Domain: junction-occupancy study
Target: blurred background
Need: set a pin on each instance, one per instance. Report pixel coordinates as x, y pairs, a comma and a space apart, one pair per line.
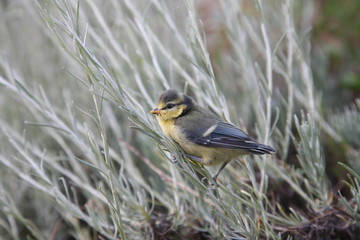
81, 158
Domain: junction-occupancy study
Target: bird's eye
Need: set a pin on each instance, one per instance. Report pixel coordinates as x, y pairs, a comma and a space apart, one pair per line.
169, 105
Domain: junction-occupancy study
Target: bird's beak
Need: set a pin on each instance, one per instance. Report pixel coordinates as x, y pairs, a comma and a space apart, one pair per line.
155, 111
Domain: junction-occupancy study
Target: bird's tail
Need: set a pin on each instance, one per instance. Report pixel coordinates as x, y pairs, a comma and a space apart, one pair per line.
262, 149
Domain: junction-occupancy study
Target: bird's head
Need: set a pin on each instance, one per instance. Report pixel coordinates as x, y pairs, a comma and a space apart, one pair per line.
172, 104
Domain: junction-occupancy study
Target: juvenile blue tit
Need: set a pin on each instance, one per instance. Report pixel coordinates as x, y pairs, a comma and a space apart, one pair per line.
202, 135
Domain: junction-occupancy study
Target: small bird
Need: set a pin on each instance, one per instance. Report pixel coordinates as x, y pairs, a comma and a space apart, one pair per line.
202, 135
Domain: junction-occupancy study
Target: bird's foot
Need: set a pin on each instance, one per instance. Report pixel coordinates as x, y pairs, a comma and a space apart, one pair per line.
174, 159
213, 185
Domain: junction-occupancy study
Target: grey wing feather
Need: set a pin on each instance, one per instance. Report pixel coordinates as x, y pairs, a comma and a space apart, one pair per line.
226, 135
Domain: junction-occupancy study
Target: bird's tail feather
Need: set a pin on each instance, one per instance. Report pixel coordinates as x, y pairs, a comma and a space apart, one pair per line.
262, 149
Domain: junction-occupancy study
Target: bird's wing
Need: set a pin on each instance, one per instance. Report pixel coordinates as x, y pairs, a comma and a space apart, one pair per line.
225, 135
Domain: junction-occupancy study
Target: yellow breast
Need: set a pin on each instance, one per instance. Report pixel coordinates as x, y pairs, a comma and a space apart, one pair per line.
167, 126
171, 130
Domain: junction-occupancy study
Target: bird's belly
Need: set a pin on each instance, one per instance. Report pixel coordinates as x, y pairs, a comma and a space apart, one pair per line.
209, 155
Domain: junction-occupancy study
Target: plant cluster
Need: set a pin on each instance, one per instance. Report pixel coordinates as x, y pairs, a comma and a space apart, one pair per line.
81, 157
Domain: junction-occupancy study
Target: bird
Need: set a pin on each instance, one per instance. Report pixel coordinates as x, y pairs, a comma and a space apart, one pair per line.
202, 135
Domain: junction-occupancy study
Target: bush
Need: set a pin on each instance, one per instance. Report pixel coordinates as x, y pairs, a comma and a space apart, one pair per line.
83, 159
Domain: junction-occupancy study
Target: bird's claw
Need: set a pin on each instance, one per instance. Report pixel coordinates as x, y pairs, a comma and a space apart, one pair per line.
212, 184
174, 159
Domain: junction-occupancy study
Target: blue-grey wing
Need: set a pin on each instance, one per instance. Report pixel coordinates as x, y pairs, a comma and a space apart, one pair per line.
226, 135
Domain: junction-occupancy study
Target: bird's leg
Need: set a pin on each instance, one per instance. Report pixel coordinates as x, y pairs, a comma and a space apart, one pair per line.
194, 158
215, 185
198, 160
217, 174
